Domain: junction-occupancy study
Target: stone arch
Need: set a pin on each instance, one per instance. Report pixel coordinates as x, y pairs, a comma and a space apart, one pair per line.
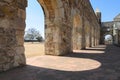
49, 13
88, 33
104, 32
48, 8
12, 26
56, 16
104, 36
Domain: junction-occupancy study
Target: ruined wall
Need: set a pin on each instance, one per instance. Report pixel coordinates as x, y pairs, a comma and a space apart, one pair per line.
68, 25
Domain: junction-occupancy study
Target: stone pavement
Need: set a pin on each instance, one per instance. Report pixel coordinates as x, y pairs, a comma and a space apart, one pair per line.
95, 63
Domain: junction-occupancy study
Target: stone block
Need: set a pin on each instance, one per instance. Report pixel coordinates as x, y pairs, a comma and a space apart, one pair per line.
20, 40
8, 1
2, 14
3, 59
20, 50
4, 23
6, 67
19, 60
21, 13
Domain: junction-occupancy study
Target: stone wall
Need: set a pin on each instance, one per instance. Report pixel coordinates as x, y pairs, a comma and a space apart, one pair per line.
12, 25
69, 24
87, 31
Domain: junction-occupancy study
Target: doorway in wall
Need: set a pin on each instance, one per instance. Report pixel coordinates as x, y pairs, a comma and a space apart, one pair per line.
108, 39
34, 31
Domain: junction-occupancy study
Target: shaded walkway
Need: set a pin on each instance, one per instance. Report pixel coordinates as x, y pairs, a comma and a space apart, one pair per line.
89, 64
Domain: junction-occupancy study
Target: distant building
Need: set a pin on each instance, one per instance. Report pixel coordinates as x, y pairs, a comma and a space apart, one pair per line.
116, 29
112, 28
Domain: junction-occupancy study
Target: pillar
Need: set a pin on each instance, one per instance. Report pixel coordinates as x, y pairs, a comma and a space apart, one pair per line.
12, 25
83, 45
90, 37
87, 33
93, 36
77, 32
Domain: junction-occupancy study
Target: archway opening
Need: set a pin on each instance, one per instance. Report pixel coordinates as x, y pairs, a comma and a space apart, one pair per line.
34, 32
108, 39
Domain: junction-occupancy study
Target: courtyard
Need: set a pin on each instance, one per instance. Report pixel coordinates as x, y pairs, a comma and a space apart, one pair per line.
34, 49
96, 63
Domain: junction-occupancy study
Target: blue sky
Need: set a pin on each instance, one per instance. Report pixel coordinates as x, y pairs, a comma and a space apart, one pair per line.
35, 16
108, 8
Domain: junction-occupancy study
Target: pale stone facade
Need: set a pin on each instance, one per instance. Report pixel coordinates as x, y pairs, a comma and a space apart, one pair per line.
116, 30
69, 24
106, 29
111, 28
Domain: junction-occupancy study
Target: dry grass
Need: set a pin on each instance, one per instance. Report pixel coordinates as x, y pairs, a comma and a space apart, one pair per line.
33, 49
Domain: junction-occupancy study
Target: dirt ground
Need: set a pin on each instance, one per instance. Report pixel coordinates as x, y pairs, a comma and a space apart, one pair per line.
33, 49
96, 63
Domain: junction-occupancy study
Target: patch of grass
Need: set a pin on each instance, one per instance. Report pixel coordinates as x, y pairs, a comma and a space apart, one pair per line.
34, 49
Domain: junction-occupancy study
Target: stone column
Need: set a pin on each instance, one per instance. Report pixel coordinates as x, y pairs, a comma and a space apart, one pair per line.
98, 35
93, 36
58, 31
12, 25
87, 32
118, 37
76, 38
57, 38
83, 44
101, 36
76, 34
87, 41
51, 38
90, 37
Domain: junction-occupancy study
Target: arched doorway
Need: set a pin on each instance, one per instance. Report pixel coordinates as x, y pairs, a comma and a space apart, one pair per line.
57, 31
108, 39
34, 31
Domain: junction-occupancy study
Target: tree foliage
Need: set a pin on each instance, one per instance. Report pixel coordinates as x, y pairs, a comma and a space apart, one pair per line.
32, 34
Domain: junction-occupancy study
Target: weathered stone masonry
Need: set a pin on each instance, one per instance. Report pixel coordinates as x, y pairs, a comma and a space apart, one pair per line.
12, 25
69, 24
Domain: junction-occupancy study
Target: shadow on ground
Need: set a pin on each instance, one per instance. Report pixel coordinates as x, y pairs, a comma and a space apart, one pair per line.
109, 69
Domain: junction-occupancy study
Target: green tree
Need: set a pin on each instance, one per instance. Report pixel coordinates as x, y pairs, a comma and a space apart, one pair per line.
39, 38
33, 34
